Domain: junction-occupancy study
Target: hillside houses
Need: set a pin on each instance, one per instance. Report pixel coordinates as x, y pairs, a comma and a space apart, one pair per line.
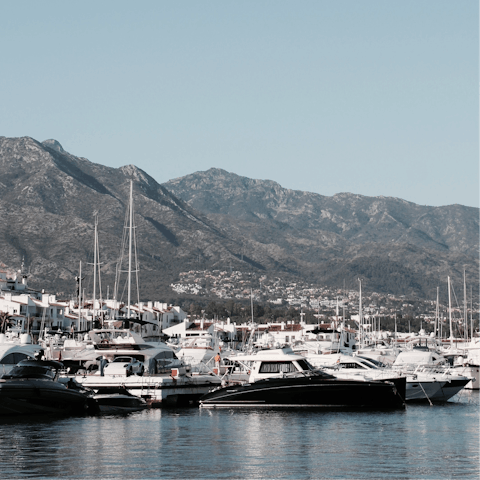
28, 310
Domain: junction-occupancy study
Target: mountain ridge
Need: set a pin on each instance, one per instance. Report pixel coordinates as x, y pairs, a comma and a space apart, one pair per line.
218, 220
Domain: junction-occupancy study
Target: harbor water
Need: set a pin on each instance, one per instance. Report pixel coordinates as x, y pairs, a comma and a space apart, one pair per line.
420, 442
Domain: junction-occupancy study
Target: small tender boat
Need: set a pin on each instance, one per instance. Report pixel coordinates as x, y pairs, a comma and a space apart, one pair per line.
279, 378
117, 400
32, 387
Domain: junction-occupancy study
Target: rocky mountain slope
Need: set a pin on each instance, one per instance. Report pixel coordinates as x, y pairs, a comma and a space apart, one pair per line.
395, 245
47, 202
218, 220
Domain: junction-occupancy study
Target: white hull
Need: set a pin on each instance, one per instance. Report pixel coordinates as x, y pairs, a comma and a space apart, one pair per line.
471, 371
157, 390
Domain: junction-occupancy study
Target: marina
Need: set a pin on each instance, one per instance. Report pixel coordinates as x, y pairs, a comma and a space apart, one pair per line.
239, 240
146, 391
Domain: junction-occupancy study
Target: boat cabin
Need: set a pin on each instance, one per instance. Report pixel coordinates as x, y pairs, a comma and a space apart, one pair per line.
270, 363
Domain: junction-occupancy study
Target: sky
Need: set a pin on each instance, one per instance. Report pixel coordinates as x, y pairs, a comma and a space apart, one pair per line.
370, 97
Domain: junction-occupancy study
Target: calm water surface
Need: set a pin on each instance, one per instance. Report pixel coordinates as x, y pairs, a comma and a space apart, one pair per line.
421, 442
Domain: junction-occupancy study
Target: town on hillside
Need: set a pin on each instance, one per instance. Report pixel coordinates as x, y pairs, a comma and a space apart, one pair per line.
226, 293
235, 296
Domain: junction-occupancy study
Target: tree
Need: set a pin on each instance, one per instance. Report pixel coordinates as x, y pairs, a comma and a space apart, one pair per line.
5, 321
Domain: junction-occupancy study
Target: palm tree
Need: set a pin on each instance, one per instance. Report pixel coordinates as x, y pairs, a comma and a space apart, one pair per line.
5, 320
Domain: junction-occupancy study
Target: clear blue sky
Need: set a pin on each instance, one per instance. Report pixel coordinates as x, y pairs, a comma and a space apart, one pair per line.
372, 97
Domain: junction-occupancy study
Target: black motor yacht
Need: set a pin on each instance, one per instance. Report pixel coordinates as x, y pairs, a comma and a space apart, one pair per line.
32, 387
279, 378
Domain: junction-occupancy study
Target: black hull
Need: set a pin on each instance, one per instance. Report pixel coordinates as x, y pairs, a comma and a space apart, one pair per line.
308, 392
115, 401
25, 397
118, 404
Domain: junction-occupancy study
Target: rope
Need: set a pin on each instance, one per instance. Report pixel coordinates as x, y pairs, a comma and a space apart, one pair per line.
421, 386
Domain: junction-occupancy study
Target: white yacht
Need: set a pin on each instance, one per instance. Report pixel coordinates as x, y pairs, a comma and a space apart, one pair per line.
434, 384
178, 387
112, 343
196, 350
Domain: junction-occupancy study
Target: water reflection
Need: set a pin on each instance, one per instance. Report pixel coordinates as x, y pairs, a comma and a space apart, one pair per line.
420, 442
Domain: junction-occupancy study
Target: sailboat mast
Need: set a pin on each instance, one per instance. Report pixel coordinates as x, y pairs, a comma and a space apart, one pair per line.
471, 314
80, 298
465, 320
360, 314
450, 314
336, 315
251, 303
95, 269
130, 249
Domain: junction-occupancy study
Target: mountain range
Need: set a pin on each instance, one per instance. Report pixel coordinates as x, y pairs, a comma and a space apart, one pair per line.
216, 220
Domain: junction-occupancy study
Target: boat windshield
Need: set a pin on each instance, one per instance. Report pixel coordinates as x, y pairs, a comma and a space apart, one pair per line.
29, 371
304, 365
371, 361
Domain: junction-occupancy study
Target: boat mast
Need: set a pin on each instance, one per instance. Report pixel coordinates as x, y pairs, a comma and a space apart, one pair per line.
450, 314
360, 314
465, 320
80, 298
130, 249
251, 303
437, 318
395, 330
471, 314
94, 269
336, 315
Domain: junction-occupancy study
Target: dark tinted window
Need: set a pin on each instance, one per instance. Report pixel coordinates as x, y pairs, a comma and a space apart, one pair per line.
277, 367
304, 365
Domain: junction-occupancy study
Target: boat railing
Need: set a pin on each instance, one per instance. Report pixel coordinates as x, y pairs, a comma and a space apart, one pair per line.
442, 369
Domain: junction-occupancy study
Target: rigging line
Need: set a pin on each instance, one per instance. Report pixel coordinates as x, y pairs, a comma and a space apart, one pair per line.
457, 326
454, 294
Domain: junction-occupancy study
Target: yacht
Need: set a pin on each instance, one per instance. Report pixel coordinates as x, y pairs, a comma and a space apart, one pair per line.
280, 378
111, 400
112, 343
178, 387
422, 384
422, 365
196, 350
32, 387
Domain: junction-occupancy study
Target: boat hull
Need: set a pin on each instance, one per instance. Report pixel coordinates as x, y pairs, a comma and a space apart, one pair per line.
308, 392
449, 389
118, 403
31, 396
472, 371
156, 390
434, 390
